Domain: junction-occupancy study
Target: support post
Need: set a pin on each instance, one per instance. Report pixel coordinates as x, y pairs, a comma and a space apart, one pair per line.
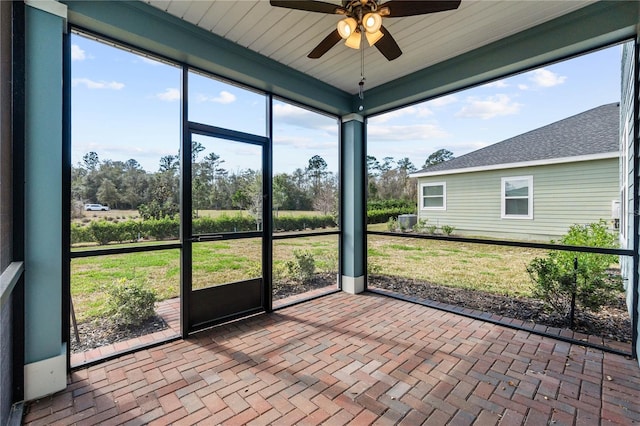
352, 206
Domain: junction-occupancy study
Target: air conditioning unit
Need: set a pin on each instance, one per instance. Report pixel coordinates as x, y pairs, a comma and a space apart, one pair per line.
615, 213
615, 209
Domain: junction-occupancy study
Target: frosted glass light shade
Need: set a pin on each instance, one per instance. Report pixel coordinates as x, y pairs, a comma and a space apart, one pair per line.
354, 40
346, 27
372, 38
372, 22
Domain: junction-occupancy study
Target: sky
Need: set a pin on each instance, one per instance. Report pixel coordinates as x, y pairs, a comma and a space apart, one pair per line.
128, 106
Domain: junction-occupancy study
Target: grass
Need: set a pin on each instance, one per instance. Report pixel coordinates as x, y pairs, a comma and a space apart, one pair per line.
496, 269
214, 263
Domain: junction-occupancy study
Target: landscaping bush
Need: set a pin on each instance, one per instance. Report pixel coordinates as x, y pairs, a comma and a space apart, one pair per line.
161, 229
300, 223
564, 277
104, 232
383, 215
448, 229
303, 266
81, 234
130, 303
392, 204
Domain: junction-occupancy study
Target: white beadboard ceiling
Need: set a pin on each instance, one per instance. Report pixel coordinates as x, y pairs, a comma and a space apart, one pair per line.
287, 36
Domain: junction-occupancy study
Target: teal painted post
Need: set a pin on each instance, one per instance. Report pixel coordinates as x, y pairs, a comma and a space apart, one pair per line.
43, 185
353, 203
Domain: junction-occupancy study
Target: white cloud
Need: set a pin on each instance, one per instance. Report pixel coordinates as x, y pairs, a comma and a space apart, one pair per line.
492, 106
443, 100
77, 54
151, 61
499, 84
91, 84
545, 78
169, 95
523, 87
283, 142
303, 118
416, 110
223, 97
417, 132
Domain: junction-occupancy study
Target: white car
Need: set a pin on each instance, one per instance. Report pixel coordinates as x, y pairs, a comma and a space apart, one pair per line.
95, 207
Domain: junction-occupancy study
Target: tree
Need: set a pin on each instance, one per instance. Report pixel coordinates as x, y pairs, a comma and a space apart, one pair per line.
108, 193
169, 163
317, 171
91, 161
196, 149
440, 156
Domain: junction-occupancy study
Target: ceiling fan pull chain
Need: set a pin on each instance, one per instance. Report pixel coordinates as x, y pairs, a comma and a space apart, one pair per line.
362, 79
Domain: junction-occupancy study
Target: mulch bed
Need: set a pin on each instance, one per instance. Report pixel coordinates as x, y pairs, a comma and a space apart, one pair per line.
102, 331
612, 322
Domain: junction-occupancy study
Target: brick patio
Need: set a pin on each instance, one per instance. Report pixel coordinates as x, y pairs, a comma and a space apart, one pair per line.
345, 359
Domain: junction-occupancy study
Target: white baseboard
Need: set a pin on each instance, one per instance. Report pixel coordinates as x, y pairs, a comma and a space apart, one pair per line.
353, 285
45, 377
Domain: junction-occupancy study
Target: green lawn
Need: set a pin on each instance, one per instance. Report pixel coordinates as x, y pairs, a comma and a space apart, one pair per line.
489, 268
213, 263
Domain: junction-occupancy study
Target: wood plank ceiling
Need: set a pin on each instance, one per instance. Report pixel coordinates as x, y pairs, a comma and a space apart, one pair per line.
287, 36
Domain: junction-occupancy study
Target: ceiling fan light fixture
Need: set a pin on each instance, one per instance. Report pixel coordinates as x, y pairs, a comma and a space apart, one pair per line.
372, 38
354, 40
347, 27
372, 22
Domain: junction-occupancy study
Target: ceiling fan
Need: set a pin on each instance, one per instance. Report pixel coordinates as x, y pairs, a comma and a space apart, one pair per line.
365, 17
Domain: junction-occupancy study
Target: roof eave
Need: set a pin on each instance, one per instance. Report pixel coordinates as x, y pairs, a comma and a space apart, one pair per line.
533, 163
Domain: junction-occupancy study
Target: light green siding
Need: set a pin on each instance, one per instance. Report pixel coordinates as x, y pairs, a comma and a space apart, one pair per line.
563, 194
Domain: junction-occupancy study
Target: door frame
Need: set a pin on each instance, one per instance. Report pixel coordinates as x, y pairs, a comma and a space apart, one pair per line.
188, 309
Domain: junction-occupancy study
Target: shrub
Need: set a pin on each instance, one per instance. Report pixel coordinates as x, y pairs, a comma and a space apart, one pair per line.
161, 229
564, 276
300, 223
431, 229
104, 232
303, 266
392, 204
447, 229
420, 226
392, 224
80, 234
383, 215
130, 303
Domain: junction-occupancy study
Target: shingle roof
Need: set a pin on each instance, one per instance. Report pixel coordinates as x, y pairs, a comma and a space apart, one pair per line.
594, 131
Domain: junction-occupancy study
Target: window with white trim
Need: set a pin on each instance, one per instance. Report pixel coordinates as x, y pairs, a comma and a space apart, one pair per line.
517, 197
433, 196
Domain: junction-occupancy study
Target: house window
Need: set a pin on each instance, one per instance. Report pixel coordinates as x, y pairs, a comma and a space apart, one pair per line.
517, 197
434, 196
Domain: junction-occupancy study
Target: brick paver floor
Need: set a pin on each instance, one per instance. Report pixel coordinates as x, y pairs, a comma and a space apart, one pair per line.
353, 359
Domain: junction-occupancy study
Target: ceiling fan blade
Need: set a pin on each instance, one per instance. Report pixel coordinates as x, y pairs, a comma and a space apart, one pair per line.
399, 8
388, 46
308, 6
326, 44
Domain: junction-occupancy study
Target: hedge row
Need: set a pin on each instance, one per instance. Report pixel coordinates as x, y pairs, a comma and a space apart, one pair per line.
383, 215
391, 204
104, 232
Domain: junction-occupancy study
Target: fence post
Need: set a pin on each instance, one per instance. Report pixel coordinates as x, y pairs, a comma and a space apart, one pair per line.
573, 291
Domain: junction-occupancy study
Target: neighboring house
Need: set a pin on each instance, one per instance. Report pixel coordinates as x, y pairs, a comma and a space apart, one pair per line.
533, 186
